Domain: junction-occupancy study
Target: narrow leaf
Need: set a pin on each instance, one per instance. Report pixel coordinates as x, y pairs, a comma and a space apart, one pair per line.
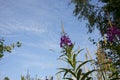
82, 64
68, 70
68, 78
86, 74
79, 74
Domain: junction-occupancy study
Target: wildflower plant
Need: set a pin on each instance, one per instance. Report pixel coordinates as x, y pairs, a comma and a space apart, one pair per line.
111, 47
65, 41
74, 71
113, 34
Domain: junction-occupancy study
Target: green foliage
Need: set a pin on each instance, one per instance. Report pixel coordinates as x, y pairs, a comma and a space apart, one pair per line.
96, 14
23, 78
28, 77
6, 78
106, 68
102, 15
75, 68
7, 48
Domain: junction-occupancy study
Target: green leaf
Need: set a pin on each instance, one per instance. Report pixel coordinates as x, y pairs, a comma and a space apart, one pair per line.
70, 62
8, 48
115, 79
79, 74
68, 71
74, 61
65, 73
82, 64
89, 78
62, 55
114, 74
59, 72
63, 59
78, 52
68, 78
85, 75
18, 44
1, 55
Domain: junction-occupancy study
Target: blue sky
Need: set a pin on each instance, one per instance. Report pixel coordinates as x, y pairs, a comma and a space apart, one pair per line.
37, 25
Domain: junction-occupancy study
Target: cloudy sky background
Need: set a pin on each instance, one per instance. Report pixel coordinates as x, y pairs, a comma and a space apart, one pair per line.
37, 25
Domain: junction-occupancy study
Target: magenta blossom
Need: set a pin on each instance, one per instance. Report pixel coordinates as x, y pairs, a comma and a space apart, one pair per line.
65, 41
112, 33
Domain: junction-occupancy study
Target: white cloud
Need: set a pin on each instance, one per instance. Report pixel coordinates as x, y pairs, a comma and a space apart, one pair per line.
51, 45
13, 27
36, 64
29, 56
31, 60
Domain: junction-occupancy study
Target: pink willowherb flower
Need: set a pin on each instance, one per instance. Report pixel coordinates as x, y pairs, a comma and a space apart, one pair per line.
112, 33
65, 41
